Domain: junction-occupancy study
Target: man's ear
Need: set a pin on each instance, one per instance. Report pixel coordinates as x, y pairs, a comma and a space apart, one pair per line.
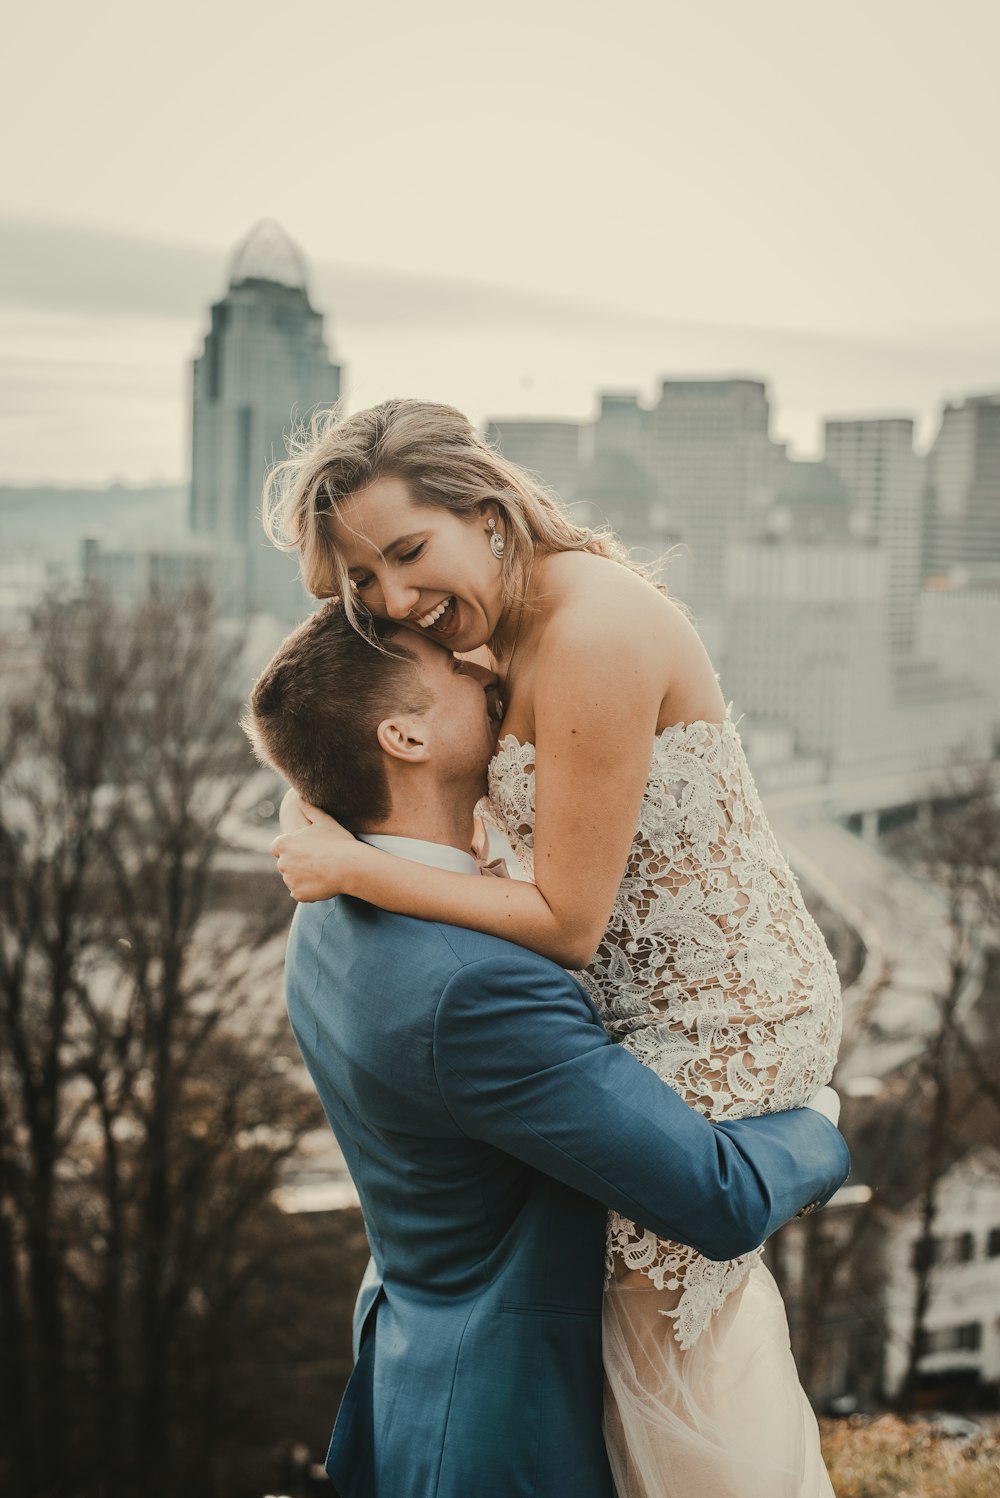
403, 739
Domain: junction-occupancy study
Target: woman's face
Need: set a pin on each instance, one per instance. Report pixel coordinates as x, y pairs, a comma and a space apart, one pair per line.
420, 564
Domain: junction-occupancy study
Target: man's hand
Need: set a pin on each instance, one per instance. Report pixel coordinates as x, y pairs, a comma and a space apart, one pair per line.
313, 861
827, 1102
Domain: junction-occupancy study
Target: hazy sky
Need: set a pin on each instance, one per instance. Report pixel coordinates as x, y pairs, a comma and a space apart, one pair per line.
507, 207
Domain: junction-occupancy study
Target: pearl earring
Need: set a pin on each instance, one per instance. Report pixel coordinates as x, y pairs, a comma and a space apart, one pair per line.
497, 543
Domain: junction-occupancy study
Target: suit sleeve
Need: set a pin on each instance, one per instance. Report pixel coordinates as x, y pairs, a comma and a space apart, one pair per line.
524, 1064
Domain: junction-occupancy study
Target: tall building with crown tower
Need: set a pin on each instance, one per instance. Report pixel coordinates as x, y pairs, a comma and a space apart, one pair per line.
264, 366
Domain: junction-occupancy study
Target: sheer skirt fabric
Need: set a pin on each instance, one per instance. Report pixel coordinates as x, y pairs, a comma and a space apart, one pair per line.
725, 1418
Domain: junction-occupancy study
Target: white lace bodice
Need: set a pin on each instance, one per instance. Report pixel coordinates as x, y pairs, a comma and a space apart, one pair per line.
712, 972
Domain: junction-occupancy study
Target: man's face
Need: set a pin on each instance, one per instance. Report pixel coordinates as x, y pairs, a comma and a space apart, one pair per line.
462, 721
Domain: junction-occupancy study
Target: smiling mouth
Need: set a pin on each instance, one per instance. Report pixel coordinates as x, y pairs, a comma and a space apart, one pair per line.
440, 619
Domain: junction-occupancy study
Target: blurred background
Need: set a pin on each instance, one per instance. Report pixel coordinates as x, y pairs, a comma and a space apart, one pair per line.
726, 279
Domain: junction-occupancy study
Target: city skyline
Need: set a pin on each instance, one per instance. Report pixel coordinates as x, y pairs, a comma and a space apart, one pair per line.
507, 217
107, 327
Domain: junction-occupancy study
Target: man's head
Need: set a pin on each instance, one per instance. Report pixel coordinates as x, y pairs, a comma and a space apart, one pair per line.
366, 730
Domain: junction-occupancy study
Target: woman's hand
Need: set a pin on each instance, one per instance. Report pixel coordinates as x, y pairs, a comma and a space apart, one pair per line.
291, 817
314, 862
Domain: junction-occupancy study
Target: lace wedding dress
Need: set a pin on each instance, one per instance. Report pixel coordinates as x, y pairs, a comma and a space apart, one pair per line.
713, 973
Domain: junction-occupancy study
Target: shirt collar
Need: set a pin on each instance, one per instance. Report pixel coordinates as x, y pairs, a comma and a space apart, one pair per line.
438, 855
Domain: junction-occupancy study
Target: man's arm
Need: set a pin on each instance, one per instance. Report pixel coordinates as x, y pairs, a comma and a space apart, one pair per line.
523, 1063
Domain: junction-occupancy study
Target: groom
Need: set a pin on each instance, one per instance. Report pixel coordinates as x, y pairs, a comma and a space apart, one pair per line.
486, 1118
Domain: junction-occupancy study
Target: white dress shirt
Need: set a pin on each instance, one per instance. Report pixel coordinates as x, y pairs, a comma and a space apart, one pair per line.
438, 855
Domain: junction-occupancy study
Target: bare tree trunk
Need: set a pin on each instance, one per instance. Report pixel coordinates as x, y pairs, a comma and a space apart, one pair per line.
936, 1162
15, 1408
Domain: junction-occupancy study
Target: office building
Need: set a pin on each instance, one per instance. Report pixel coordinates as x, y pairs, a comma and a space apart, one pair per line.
265, 365
963, 490
960, 1346
709, 454
958, 626
548, 449
883, 475
807, 647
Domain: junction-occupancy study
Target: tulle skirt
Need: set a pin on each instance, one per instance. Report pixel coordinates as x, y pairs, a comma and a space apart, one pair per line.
725, 1418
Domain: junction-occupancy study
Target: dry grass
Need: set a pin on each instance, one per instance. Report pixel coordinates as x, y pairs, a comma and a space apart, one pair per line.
891, 1458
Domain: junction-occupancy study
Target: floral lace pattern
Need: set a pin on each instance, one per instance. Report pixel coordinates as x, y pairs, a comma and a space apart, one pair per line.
711, 972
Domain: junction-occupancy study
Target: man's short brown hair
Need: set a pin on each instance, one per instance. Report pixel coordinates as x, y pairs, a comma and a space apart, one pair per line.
315, 709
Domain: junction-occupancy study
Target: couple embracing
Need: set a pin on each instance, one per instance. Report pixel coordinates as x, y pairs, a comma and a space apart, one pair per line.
566, 1177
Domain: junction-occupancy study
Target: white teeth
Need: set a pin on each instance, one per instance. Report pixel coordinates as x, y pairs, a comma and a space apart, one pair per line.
434, 615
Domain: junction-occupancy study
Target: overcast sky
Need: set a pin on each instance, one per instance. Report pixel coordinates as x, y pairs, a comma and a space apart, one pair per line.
507, 207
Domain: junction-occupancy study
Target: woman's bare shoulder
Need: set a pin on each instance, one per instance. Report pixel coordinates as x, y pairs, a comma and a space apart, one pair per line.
583, 591
604, 617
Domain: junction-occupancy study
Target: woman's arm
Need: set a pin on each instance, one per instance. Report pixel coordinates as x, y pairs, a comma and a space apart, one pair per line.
333, 862
598, 688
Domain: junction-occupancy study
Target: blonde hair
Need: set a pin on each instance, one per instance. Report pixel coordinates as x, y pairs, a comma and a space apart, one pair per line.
443, 460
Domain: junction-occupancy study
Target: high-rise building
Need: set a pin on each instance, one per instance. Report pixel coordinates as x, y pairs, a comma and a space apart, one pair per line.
804, 640
884, 478
956, 620
621, 427
265, 365
963, 490
709, 453
807, 647
617, 481
810, 501
548, 449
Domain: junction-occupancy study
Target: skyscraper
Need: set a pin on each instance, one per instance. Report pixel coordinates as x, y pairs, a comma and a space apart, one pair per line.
548, 449
804, 642
617, 480
884, 478
709, 453
620, 429
807, 648
956, 619
963, 490
265, 365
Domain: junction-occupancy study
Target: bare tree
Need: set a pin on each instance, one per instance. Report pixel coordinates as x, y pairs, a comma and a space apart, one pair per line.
958, 850
928, 1112
830, 1267
145, 1106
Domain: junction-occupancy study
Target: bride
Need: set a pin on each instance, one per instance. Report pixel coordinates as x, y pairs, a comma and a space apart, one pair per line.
621, 784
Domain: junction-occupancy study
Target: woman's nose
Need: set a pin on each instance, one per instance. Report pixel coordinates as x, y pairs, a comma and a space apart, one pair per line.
399, 599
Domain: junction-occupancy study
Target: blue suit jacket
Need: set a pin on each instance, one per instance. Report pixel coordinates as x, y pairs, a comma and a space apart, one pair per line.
488, 1121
